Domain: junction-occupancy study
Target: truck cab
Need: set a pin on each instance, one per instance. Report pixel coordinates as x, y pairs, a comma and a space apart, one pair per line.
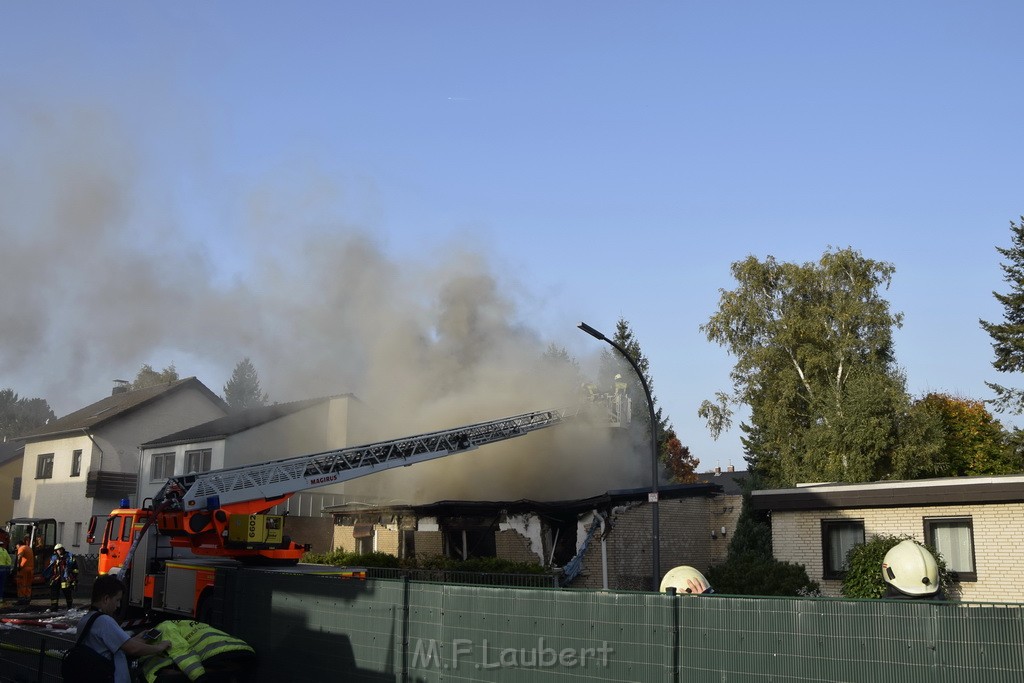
42, 534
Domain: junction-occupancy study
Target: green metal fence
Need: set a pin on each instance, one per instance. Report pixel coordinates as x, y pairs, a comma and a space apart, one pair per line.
309, 628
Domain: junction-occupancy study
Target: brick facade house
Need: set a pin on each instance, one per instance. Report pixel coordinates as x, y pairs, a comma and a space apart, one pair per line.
608, 536
975, 522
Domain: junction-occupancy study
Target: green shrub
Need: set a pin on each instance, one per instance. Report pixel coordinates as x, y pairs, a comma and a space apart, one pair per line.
750, 568
341, 558
490, 565
752, 573
863, 577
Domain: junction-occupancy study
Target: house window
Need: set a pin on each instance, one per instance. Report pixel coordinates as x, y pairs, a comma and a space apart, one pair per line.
364, 536
16, 489
44, 466
462, 544
837, 537
163, 466
78, 535
408, 544
60, 532
198, 461
76, 463
953, 537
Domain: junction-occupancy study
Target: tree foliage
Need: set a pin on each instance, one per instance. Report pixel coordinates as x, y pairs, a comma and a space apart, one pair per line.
751, 569
681, 465
1008, 336
612, 363
243, 389
148, 377
973, 441
814, 362
863, 578
21, 415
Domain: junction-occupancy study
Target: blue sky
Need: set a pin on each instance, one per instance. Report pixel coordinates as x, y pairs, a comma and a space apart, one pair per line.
596, 159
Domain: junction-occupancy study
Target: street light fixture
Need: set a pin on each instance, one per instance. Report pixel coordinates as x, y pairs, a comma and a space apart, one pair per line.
653, 496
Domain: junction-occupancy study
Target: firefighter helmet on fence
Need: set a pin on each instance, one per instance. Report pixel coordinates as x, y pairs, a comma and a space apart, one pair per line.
911, 569
685, 579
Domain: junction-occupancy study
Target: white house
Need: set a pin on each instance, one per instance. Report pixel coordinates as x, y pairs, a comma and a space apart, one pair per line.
82, 464
258, 435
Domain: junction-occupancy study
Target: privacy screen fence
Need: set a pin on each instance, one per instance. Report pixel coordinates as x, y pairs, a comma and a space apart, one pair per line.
309, 628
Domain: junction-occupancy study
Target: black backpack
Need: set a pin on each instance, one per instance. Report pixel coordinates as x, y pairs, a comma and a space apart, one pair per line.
82, 664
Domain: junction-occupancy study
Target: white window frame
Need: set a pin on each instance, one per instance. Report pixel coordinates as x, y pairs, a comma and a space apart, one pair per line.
203, 455
953, 551
161, 466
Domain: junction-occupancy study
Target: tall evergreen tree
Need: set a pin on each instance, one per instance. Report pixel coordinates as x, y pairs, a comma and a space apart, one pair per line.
1008, 336
243, 389
616, 369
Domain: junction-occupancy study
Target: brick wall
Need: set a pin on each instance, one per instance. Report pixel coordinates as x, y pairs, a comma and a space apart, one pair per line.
724, 512
343, 538
428, 543
387, 539
316, 531
999, 550
511, 545
684, 526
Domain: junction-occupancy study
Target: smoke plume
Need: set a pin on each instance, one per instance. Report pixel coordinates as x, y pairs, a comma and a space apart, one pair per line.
102, 272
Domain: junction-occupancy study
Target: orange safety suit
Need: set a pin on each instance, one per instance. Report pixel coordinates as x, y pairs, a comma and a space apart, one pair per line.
26, 568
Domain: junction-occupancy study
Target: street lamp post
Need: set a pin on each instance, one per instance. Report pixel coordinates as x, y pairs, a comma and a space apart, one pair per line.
653, 498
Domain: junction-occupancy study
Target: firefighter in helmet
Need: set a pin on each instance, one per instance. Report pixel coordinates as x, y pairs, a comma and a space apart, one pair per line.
910, 572
686, 579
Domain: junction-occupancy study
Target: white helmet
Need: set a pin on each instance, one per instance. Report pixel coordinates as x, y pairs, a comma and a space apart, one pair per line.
685, 579
59, 546
911, 569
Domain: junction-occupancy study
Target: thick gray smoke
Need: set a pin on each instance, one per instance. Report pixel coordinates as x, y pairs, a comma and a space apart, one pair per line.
101, 274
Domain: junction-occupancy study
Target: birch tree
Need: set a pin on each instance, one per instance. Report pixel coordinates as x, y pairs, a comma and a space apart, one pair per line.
815, 364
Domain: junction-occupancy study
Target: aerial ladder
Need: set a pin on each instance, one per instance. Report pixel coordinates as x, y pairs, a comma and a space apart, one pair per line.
221, 515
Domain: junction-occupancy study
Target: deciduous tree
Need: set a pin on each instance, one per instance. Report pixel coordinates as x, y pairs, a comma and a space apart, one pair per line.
681, 465
815, 365
148, 377
21, 415
974, 442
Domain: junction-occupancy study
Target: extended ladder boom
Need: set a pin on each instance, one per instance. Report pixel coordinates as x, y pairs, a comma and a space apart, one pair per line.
268, 480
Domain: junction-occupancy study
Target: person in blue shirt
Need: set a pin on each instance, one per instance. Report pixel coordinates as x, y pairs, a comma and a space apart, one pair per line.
107, 638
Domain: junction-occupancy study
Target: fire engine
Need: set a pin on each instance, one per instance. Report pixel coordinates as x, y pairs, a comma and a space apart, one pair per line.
174, 551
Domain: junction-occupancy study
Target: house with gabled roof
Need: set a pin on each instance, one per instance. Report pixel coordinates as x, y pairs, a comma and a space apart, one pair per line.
83, 463
258, 435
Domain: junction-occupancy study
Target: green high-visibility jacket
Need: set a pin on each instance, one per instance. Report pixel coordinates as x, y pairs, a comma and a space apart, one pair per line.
192, 643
